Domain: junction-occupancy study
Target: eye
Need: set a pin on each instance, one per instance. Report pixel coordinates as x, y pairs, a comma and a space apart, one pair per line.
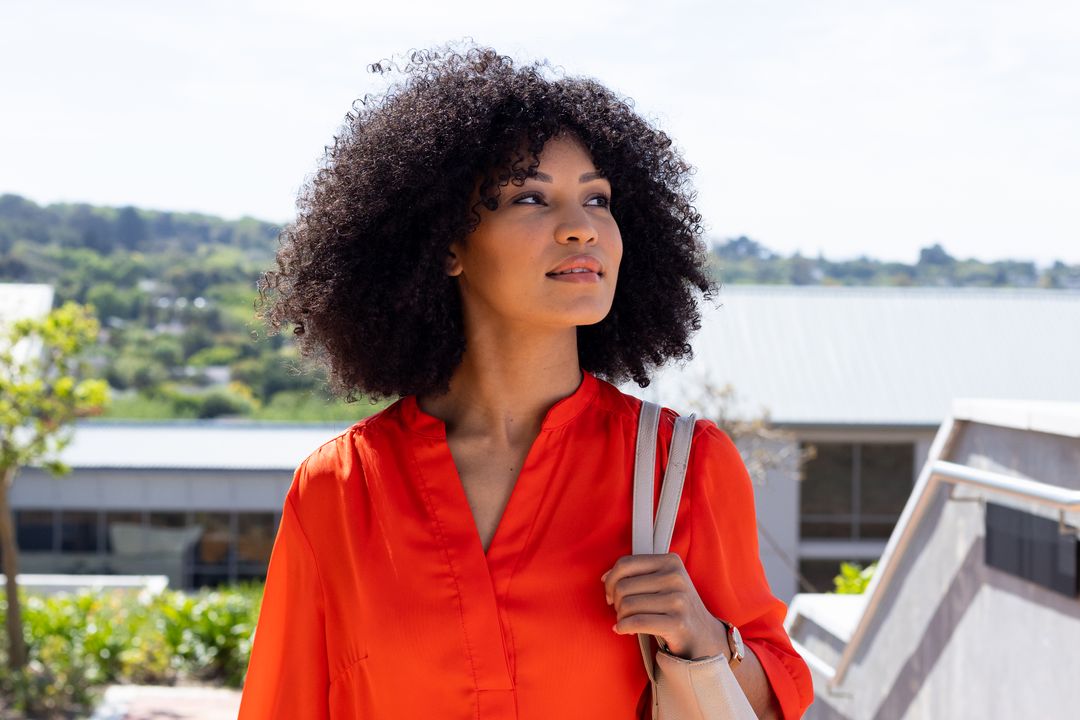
605, 200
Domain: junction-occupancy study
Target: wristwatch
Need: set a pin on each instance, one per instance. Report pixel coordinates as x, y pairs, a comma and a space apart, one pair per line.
736, 650
734, 643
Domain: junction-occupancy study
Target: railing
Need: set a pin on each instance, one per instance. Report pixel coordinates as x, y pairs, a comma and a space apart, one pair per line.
933, 474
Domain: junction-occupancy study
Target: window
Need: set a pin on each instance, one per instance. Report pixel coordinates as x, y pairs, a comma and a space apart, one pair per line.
79, 531
34, 530
212, 551
254, 542
118, 525
855, 491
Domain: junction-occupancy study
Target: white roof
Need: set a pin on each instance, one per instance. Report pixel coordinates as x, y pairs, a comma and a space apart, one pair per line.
885, 356
812, 355
195, 444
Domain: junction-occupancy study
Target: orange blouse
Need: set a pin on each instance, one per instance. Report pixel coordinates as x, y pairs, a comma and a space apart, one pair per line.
380, 601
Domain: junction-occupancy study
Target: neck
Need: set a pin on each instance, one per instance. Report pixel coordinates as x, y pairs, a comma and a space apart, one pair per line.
505, 385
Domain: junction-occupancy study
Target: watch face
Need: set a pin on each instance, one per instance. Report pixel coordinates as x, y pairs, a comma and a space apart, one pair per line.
736, 637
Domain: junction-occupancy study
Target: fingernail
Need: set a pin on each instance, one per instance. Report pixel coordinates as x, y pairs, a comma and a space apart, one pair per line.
608, 599
614, 626
604, 576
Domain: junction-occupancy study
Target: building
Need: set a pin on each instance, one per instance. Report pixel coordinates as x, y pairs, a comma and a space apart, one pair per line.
978, 587
866, 375
198, 500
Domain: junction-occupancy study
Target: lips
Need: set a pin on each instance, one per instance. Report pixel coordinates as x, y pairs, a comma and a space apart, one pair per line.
578, 264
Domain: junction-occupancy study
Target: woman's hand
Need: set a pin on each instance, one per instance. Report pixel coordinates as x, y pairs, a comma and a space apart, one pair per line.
653, 594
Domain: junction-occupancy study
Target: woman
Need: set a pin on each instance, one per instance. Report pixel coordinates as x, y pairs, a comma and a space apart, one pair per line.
496, 248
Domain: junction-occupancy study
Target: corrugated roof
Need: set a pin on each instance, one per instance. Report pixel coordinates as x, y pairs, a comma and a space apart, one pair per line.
195, 444
878, 355
812, 355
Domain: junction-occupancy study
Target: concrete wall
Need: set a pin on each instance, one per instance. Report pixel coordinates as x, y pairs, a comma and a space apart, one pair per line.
776, 502
954, 638
128, 489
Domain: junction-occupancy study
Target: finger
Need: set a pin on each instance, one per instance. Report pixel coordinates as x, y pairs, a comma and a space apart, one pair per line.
629, 565
661, 581
672, 604
651, 623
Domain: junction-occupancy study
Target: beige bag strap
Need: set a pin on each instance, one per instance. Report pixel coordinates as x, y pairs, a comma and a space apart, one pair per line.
649, 537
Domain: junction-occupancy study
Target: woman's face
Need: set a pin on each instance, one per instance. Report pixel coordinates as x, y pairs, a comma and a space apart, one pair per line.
508, 267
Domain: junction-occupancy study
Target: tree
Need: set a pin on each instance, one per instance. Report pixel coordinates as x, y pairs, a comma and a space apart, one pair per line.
935, 255
131, 230
42, 391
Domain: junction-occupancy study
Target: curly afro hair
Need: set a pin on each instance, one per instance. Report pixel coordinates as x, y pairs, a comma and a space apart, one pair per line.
361, 272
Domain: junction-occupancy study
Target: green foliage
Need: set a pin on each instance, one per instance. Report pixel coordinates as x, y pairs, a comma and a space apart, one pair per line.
43, 391
304, 406
155, 278
80, 642
853, 578
216, 355
742, 260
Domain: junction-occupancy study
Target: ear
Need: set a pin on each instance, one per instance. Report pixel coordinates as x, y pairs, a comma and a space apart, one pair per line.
453, 263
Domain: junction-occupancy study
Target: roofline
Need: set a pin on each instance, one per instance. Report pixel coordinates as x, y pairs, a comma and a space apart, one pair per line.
856, 427
217, 423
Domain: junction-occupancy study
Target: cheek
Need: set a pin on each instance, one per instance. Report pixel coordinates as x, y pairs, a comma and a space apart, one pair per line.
615, 252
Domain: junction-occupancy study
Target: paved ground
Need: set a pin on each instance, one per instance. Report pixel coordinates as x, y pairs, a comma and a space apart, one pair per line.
154, 702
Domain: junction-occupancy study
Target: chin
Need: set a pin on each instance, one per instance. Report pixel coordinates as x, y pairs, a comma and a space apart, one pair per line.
588, 317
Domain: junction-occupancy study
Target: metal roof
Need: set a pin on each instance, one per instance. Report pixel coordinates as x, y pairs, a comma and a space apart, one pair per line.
879, 356
817, 356
195, 444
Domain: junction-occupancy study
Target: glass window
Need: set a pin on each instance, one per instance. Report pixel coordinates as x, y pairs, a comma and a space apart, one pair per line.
34, 530
79, 531
855, 490
826, 485
256, 538
886, 473
823, 526
120, 535
168, 519
876, 529
209, 578
212, 551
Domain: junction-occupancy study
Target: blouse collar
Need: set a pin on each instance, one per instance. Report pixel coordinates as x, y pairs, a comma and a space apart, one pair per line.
559, 414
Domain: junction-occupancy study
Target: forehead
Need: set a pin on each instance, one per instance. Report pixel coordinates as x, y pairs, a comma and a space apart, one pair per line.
562, 148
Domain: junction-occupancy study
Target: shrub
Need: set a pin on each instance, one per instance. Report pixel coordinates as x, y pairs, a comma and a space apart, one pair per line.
77, 643
853, 578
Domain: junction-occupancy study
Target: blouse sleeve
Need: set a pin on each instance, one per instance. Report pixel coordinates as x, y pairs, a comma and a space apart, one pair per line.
723, 563
287, 674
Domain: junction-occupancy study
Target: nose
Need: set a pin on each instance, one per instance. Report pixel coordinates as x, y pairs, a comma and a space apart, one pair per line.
576, 228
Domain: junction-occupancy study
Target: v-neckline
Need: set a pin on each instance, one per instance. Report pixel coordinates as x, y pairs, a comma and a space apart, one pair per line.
482, 578
560, 413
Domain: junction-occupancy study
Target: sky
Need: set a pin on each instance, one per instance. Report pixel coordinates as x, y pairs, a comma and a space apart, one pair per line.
840, 127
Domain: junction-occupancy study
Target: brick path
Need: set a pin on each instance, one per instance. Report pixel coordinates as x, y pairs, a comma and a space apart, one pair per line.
155, 702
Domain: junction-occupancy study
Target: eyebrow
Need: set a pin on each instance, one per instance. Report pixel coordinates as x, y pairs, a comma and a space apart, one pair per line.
544, 177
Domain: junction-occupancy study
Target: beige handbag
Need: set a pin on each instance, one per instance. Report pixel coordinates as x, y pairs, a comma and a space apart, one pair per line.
703, 689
